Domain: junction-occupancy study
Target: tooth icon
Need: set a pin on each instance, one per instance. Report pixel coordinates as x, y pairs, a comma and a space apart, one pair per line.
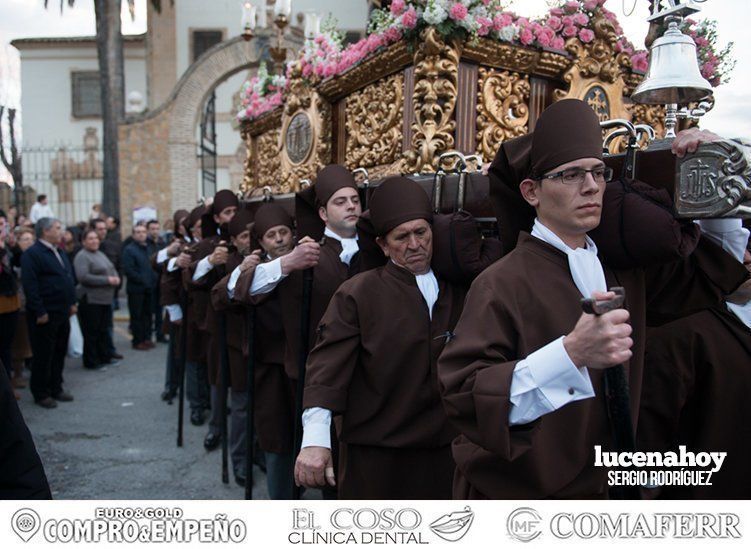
25, 523
454, 526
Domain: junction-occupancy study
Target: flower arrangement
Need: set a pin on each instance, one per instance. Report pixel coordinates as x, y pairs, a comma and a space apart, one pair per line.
325, 56
715, 65
261, 94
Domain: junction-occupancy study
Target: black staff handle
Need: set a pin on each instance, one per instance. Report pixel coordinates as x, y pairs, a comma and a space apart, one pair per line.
307, 291
223, 382
250, 414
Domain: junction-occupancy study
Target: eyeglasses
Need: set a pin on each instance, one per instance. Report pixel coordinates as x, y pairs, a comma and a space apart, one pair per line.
575, 176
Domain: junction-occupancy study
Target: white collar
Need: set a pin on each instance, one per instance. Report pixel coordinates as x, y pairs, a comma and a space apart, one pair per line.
349, 245
586, 269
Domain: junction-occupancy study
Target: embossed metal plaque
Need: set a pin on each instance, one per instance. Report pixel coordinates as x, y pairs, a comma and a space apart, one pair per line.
715, 181
299, 138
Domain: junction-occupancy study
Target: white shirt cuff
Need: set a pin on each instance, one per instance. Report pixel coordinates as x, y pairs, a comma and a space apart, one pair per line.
161, 256
172, 265
266, 277
544, 382
316, 423
174, 312
727, 232
202, 269
232, 282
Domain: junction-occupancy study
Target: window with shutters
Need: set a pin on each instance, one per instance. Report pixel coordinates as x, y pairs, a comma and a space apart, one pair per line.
204, 40
86, 94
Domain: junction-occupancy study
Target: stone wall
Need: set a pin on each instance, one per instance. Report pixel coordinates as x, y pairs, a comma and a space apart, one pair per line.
145, 178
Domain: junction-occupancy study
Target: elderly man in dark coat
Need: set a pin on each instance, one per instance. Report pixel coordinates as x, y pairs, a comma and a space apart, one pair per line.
374, 364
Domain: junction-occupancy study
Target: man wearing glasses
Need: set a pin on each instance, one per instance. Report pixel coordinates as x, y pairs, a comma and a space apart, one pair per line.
523, 377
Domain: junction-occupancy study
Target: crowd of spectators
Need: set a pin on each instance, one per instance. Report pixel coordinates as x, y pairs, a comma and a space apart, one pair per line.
59, 290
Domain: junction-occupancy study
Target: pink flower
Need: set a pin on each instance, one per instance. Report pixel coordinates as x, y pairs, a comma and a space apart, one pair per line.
502, 20
639, 61
586, 35
569, 31
571, 7
545, 37
581, 19
397, 6
701, 41
526, 37
458, 12
485, 25
556, 12
486, 2
567, 21
393, 35
557, 43
555, 23
590, 5
409, 19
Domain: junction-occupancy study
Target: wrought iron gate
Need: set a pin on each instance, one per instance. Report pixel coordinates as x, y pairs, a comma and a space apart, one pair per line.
207, 150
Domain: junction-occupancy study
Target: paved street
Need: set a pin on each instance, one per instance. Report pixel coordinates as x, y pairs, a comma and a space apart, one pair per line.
117, 440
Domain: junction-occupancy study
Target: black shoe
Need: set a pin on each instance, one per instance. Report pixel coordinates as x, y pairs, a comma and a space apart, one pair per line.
240, 478
167, 395
211, 442
63, 396
196, 417
47, 402
117, 356
112, 362
96, 367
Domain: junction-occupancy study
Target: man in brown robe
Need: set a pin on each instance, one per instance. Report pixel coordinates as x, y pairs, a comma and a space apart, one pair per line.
522, 378
207, 257
169, 297
238, 231
172, 298
697, 380
374, 364
333, 261
273, 404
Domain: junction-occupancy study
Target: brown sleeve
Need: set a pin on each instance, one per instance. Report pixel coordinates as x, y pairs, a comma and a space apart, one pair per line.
328, 371
475, 371
219, 298
699, 282
169, 287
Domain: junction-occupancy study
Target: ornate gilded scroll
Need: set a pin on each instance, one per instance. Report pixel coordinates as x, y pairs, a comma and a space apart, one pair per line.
434, 100
374, 123
502, 108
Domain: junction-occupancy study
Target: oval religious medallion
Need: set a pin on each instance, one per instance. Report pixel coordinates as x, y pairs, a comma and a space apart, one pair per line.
299, 138
597, 98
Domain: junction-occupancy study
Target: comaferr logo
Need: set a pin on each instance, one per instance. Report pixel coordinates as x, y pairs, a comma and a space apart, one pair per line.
524, 524
454, 526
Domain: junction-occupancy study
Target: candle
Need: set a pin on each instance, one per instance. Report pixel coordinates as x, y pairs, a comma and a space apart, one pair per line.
312, 24
283, 7
249, 16
261, 15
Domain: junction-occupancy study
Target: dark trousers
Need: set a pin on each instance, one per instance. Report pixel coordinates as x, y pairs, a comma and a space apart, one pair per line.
7, 333
49, 342
157, 311
140, 309
93, 321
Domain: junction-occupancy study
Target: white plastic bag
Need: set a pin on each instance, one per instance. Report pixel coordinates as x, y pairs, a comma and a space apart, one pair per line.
75, 340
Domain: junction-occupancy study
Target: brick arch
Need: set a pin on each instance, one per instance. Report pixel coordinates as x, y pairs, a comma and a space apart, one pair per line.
188, 99
158, 149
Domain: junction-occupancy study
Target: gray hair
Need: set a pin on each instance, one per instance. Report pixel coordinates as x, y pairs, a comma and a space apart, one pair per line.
44, 224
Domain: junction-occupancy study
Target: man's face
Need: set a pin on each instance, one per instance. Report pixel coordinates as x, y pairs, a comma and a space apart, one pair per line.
226, 215
139, 234
342, 211
43, 201
110, 223
25, 241
242, 242
101, 230
409, 245
569, 210
54, 233
277, 241
195, 230
153, 230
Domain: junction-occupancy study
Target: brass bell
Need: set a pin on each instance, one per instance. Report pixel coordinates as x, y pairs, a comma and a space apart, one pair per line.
673, 75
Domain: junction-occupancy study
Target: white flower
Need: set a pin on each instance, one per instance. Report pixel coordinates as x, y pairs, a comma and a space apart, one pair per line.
509, 33
434, 13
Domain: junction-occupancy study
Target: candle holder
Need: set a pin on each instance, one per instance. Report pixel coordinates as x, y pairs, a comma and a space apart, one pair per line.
279, 53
